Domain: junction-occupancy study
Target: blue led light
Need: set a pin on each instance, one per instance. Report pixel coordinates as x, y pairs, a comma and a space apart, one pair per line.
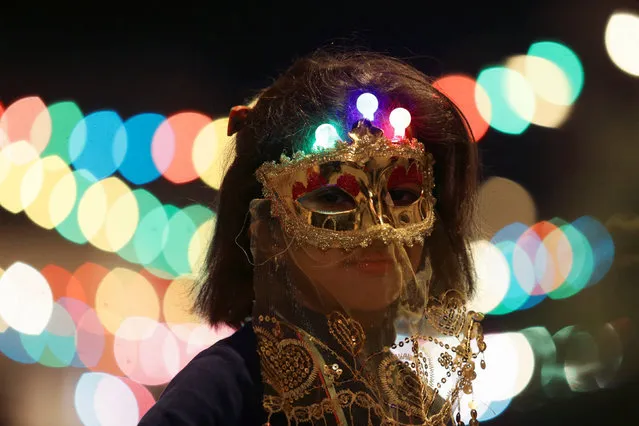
367, 105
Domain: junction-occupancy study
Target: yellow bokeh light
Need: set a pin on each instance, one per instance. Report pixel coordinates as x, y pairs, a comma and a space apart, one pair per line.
551, 88
62, 198
3, 326
31, 183
213, 152
520, 95
124, 293
502, 202
178, 301
199, 244
37, 189
15, 159
559, 260
92, 210
122, 221
547, 80
483, 103
622, 41
108, 214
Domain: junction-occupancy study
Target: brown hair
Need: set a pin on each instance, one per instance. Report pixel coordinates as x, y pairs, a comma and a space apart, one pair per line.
319, 88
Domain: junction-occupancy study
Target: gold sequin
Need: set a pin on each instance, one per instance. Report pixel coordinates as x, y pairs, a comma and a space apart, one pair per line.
401, 387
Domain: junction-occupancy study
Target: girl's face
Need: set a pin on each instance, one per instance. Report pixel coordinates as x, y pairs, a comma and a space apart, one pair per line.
365, 279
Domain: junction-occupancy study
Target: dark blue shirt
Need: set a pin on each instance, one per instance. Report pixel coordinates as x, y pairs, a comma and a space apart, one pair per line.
221, 386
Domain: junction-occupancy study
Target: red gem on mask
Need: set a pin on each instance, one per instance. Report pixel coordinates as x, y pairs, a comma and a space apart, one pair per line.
315, 180
298, 190
349, 184
399, 176
414, 174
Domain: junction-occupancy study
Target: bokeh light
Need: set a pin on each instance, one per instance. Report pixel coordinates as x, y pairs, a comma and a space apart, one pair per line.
137, 166
97, 394
470, 98
172, 146
492, 276
508, 369
502, 202
26, 301
15, 160
46, 203
26, 119
213, 152
622, 41
108, 214
553, 93
65, 116
553, 259
96, 145
568, 61
512, 100
122, 294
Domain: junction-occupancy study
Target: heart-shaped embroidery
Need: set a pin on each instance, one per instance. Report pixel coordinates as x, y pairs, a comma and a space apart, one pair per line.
286, 365
401, 386
448, 316
348, 332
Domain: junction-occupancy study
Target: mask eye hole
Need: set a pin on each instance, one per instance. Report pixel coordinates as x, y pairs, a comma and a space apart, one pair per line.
329, 199
405, 195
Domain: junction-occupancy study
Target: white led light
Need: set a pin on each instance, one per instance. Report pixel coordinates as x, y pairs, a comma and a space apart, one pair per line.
400, 119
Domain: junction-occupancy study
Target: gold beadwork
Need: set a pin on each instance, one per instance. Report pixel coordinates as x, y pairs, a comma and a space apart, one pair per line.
348, 332
400, 390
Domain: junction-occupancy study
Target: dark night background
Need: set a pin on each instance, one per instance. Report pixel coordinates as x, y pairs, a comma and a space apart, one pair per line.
208, 57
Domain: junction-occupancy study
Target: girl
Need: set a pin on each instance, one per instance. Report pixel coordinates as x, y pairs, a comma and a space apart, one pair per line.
340, 255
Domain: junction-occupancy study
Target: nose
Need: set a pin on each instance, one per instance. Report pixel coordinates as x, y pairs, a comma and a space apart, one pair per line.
375, 208
376, 212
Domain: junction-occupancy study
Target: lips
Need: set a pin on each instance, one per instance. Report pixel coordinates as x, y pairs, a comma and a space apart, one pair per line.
374, 266
360, 260
374, 260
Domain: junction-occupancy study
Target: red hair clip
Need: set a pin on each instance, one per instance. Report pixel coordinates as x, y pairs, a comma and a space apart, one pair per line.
237, 119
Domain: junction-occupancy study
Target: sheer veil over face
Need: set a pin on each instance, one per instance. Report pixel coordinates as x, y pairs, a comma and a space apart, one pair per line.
347, 330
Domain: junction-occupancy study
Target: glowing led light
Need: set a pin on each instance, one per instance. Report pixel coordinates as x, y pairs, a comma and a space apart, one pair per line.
367, 104
325, 137
399, 119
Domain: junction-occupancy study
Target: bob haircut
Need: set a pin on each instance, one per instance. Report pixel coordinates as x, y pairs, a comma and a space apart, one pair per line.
317, 89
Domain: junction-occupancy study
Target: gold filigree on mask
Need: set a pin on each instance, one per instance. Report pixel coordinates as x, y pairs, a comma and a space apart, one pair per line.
370, 156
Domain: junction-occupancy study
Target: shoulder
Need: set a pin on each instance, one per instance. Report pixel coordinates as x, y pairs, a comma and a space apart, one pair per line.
218, 386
